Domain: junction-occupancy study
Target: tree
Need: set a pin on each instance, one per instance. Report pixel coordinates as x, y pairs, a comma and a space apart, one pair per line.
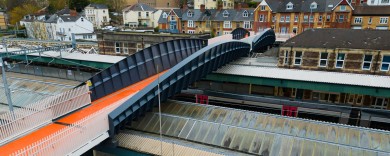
55, 5
100, 2
17, 13
79, 5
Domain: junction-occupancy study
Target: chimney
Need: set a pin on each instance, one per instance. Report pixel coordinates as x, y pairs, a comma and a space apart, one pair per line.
238, 7
73, 13
202, 8
219, 7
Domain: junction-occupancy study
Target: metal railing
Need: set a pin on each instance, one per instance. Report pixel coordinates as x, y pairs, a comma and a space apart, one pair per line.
25, 119
73, 137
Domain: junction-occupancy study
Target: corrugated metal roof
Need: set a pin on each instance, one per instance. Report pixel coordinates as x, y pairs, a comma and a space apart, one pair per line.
153, 146
80, 56
308, 75
261, 133
25, 91
260, 61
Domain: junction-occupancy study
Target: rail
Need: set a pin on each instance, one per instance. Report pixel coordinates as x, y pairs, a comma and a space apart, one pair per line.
26, 119
70, 139
37, 50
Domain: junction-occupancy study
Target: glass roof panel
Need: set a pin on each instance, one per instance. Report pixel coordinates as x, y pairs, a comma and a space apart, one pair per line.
184, 133
276, 145
203, 131
296, 147
319, 149
211, 133
238, 138
228, 138
222, 129
247, 140
267, 144
256, 143
308, 148
331, 149
287, 143
354, 137
175, 131
332, 134
344, 151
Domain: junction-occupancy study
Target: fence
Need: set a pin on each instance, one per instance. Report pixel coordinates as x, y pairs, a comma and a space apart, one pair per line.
51, 72
72, 137
25, 119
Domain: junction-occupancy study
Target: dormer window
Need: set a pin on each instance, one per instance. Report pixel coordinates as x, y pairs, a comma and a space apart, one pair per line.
313, 5
343, 7
289, 6
190, 14
225, 13
245, 14
165, 15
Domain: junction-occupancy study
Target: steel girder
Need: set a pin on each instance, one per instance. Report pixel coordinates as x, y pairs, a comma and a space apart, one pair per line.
189, 70
262, 40
239, 33
142, 65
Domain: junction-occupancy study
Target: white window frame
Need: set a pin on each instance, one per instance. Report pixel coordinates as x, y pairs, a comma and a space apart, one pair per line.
383, 20
358, 20
247, 25
126, 48
320, 18
173, 18
190, 23
306, 18
261, 18
245, 14
298, 58
191, 31
337, 60
313, 5
343, 7
296, 18
285, 62
370, 20
262, 8
165, 15
225, 13
288, 18
311, 19
385, 63
364, 61
281, 18
190, 14
227, 24
118, 47
384, 1
289, 6
321, 59
273, 18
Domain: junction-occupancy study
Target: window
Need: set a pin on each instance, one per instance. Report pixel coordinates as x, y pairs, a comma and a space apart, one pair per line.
261, 18
104, 11
328, 18
385, 63
172, 26
370, 20
82, 19
384, 1
147, 14
262, 8
380, 103
190, 14
126, 48
305, 18
341, 19
281, 18
286, 57
323, 59
296, 18
139, 14
247, 25
313, 5
343, 7
227, 24
358, 19
173, 18
245, 13
104, 19
298, 58
227, 32
190, 24
225, 13
351, 98
273, 18
208, 24
320, 18
383, 20
69, 29
359, 99
311, 18
165, 15
191, 31
340, 60
367, 62
117, 47
289, 6
287, 18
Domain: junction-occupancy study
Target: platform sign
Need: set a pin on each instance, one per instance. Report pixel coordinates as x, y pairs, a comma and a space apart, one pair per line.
289, 111
202, 99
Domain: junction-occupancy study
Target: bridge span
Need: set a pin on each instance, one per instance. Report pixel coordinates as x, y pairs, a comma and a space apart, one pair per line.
129, 89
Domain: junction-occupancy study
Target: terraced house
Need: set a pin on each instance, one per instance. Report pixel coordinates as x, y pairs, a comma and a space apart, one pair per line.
215, 21
295, 16
371, 17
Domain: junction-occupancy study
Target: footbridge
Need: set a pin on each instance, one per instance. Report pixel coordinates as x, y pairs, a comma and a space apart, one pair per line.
129, 89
